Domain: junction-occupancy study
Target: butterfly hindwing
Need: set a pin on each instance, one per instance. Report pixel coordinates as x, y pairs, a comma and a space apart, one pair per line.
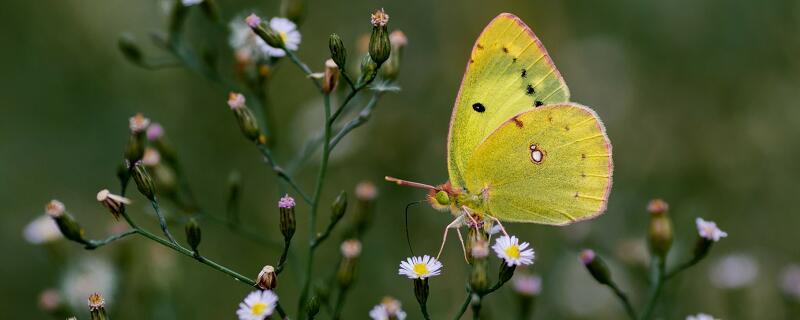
549, 165
509, 71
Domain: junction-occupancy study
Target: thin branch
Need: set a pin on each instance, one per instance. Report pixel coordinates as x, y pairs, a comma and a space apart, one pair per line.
362, 118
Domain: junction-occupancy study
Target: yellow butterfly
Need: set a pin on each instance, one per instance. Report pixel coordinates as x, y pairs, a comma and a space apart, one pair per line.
518, 150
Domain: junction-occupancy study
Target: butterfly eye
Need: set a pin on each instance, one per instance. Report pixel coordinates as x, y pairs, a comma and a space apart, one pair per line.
536, 155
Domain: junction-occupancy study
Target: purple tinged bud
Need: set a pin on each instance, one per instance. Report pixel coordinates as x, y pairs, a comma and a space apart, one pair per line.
587, 256
286, 202
155, 131
253, 20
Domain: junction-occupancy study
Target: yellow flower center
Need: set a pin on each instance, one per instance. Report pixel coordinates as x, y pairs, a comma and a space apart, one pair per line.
421, 269
258, 308
512, 252
283, 36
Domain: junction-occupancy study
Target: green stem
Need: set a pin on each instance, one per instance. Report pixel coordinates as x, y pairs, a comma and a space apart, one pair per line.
624, 299
282, 173
464, 306
347, 79
423, 307
362, 118
314, 205
476, 309
682, 267
284, 255
659, 278
337, 310
344, 104
94, 244
162, 222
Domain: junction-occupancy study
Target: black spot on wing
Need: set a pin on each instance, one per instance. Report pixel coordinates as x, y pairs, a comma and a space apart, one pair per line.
538, 103
529, 90
524, 73
479, 107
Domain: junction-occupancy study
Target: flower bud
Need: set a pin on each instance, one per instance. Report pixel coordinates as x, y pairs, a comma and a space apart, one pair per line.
365, 194
338, 51
391, 68
112, 202
478, 279
475, 237
272, 38
97, 309
660, 230
143, 181
331, 77
193, 234
129, 49
421, 290
339, 207
288, 223
351, 250
267, 279
136, 142
368, 71
312, 307
379, 45
596, 266
293, 10
68, 226
247, 121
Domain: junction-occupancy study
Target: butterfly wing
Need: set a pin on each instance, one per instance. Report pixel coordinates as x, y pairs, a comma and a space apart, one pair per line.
509, 71
549, 165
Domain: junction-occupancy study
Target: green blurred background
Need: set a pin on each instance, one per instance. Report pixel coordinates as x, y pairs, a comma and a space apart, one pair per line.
699, 98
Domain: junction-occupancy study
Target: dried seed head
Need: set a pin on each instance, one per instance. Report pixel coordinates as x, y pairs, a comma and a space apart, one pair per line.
113, 202
379, 18
267, 279
96, 302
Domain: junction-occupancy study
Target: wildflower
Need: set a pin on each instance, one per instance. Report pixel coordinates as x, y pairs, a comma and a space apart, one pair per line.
155, 131
253, 20
245, 118
527, 285
96, 302
790, 281
734, 271
351, 248
379, 44
113, 202
288, 224
42, 230
700, 316
54, 208
379, 18
389, 309
257, 305
420, 267
514, 253
245, 43
709, 230
596, 266
138, 123
236, 100
288, 37
267, 279
187, 3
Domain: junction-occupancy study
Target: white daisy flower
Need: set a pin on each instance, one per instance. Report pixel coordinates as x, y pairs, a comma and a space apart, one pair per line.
388, 309
513, 252
257, 305
288, 32
42, 230
709, 230
420, 267
248, 45
700, 316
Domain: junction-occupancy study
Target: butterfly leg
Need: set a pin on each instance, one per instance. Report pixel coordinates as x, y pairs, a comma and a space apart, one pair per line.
463, 248
499, 224
455, 224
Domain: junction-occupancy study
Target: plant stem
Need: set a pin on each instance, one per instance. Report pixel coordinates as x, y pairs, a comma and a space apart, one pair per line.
337, 309
464, 306
314, 205
344, 104
284, 255
282, 173
362, 118
292, 56
476, 309
423, 307
94, 244
659, 284
162, 222
624, 299
681, 268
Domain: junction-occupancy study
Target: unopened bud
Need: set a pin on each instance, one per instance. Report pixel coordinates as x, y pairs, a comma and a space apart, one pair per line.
351, 249
112, 202
339, 207
68, 226
288, 223
331, 77
143, 181
97, 309
338, 51
293, 10
346, 273
267, 279
379, 45
421, 290
312, 307
596, 266
506, 272
368, 71
660, 229
272, 38
129, 49
193, 234
247, 121
478, 279
136, 141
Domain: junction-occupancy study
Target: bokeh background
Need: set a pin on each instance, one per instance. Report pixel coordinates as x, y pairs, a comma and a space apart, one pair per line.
699, 98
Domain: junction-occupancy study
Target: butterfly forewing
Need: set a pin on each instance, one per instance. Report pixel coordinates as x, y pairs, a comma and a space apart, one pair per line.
549, 165
509, 71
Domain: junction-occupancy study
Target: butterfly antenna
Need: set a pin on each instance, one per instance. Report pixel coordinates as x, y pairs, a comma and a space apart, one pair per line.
408, 237
401, 182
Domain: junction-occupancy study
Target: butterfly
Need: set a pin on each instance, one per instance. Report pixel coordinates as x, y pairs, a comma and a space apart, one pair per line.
518, 150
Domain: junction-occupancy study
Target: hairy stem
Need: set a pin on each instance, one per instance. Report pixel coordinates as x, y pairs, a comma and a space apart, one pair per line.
623, 298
